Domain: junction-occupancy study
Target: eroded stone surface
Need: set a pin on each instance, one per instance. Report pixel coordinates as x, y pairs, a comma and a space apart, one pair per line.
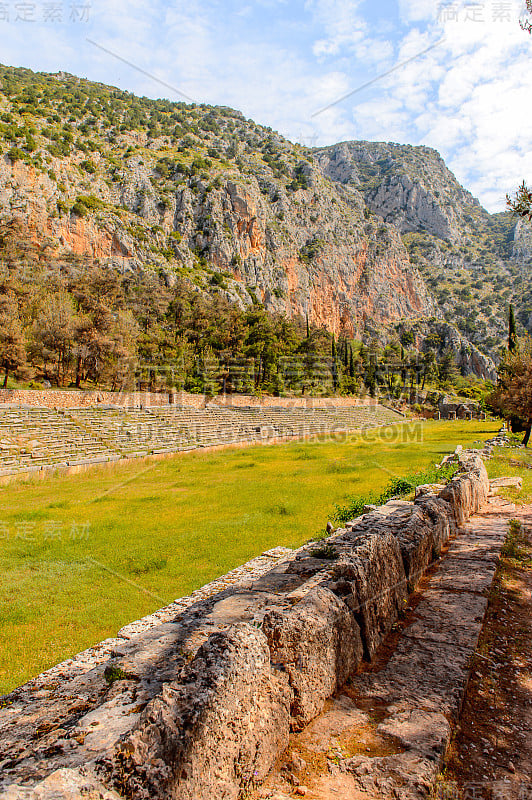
69, 784
317, 644
448, 617
212, 733
427, 732
371, 581
406, 707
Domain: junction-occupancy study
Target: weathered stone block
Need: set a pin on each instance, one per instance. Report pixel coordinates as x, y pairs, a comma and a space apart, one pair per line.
498, 483
63, 784
467, 493
417, 545
370, 578
215, 732
317, 642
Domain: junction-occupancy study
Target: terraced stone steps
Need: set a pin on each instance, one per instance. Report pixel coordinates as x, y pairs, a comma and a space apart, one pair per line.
33, 439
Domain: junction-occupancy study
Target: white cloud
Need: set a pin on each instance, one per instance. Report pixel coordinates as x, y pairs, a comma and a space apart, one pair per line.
416, 10
279, 62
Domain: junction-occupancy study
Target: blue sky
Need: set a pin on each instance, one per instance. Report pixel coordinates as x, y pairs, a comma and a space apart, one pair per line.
280, 62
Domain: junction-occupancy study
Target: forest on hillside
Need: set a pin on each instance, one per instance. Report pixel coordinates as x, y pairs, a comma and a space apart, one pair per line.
76, 322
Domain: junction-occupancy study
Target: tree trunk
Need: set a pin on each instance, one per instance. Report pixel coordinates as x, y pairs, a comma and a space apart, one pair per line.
78, 372
527, 433
5, 379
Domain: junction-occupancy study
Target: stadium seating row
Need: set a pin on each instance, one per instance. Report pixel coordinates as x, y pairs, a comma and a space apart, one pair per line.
34, 438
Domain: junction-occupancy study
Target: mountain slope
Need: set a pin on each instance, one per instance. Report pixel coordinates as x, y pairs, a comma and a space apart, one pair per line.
350, 236
474, 263
196, 192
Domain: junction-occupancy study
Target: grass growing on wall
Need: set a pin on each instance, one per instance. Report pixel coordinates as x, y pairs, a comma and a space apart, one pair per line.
83, 555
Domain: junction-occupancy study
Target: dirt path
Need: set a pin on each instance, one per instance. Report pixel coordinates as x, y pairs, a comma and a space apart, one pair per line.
491, 753
386, 733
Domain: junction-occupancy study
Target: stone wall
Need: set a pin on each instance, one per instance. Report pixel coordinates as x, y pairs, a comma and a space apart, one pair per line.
57, 398
265, 401
62, 398
197, 701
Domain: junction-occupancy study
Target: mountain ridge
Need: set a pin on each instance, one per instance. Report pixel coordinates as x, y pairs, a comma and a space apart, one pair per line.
343, 235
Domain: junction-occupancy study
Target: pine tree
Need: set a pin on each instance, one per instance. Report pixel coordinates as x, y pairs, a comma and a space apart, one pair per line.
351, 363
334, 354
512, 331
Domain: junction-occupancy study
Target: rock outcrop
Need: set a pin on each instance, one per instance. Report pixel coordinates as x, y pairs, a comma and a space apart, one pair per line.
474, 262
522, 242
410, 187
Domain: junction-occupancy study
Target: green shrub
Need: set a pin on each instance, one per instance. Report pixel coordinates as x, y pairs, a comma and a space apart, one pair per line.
16, 154
86, 203
79, 209
88, 166
396, 488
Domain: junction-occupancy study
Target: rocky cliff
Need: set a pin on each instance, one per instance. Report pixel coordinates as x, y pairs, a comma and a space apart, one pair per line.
474, 263
200, 192
407, 186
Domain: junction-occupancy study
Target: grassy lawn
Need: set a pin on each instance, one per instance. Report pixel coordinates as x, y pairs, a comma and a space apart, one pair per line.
513, 462
83, 555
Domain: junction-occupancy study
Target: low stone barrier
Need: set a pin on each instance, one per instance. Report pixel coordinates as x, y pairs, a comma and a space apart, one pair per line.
199, 703
63, 398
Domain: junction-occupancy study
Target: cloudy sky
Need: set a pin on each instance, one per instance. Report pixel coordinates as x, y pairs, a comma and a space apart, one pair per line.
300, 66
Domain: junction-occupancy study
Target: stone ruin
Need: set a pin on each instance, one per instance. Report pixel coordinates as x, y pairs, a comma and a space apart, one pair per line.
453, 409
198, 700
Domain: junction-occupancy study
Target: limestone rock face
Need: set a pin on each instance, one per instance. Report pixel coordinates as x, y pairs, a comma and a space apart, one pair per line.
317, 642
449, 236
522, 243
470, 360
408, 186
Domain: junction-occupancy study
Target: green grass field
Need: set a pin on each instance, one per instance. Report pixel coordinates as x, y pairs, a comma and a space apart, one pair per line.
83, 555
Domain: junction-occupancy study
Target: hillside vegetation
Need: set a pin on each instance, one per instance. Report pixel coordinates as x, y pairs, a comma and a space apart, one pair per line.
140, 235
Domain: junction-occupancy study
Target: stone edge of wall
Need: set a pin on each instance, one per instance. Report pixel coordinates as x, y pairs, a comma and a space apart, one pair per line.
223, 725
62, 398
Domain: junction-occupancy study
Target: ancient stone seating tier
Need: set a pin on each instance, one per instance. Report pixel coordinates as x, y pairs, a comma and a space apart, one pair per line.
33, 438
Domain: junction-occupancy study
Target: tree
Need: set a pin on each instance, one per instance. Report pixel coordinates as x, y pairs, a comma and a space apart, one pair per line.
521, 204
334, 357
512, 331
447, 369
513, 395
53, 333
526, 22
12, 346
